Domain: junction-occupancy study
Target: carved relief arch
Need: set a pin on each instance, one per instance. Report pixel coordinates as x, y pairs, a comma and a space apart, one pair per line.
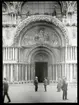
41, 18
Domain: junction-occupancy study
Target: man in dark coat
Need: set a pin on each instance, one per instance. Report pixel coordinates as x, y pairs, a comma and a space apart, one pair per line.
5, 90
45, 84
64, 89
36, 83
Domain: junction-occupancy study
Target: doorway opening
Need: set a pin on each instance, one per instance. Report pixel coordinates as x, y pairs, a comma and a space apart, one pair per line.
41, 70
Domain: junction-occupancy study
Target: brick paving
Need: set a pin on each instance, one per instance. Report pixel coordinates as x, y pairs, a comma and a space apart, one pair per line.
24, 93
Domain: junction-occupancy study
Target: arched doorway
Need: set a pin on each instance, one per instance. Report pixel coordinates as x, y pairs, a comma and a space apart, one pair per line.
41, 60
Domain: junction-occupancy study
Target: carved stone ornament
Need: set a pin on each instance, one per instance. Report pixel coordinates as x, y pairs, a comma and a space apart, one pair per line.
40, 36
35, 18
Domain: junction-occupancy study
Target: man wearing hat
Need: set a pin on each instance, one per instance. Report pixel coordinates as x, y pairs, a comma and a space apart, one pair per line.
36, 83
5, 90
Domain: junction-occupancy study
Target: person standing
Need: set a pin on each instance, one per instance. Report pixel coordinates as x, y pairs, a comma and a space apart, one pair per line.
5, 90
59, 85
64, 89
36, 83
45, 84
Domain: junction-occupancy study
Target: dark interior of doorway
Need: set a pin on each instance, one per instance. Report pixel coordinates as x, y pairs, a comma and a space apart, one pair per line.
41, 70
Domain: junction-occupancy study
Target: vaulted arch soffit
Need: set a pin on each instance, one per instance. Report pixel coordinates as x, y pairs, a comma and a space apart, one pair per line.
51, 53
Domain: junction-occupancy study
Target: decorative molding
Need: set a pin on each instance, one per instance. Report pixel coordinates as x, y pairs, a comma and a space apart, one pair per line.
39, 18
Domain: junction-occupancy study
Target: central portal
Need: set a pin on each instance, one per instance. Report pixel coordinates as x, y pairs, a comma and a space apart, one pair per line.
41, 70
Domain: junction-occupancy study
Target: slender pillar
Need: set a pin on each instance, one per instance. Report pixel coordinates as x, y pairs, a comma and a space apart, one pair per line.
62, 69
7, 72
75, 52
53, 72
13, 53
6, 52
49, 72
11, 73
71, 53
3, 53
56, 72
31, 71
65, 70
19, 54
17, 73
68, 68
4, 73
26, 72
23, 72
70, 72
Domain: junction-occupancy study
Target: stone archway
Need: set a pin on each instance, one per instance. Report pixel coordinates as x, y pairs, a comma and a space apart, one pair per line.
40, 59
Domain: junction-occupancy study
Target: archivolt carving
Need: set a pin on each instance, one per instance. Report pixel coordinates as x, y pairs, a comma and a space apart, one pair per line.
46, 18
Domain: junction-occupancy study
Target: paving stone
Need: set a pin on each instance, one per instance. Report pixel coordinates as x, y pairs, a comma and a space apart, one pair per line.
25, 93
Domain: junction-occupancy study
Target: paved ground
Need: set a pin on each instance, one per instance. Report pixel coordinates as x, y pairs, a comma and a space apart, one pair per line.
24, 93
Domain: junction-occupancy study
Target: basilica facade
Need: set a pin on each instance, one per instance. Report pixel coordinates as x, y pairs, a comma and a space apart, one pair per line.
39, 39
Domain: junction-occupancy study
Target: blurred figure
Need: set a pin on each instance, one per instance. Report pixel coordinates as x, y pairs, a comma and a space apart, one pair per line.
59, 84
36, 83
64, 89
45, 84
47, 81
5, 90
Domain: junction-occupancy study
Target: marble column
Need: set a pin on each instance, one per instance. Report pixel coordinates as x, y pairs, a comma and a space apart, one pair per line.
56, 72
53, 71
19, 54
6, 52
70, 72
13, 54
71, 53
4, 72
3, 53
17, 73
49, 72
65, 70
11, 73
26, 72
8, 72
75, 53
21, 72
32, 70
